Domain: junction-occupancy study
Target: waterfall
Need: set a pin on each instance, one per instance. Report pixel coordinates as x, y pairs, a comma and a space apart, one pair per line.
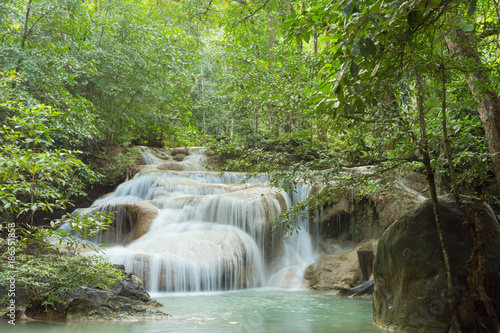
180, 228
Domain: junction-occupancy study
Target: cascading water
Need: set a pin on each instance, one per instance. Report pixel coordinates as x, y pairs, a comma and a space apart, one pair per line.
210, 233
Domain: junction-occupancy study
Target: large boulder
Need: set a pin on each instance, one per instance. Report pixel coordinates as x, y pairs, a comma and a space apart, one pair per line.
409, 271
333, 272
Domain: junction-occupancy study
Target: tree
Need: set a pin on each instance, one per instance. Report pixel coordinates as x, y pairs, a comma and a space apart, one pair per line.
479, 82
376, 45
36, 177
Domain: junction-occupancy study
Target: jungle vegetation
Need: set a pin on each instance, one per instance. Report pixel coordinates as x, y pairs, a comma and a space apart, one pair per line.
300, 89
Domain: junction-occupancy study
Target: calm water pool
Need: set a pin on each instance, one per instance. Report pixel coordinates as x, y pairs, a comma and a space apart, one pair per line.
258, 310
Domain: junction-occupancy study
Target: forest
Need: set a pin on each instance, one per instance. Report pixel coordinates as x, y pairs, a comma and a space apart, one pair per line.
298, 89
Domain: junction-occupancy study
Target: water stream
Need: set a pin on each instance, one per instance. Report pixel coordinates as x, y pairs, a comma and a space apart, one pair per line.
211, 231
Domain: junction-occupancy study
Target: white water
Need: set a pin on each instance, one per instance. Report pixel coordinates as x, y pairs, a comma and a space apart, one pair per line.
210, 232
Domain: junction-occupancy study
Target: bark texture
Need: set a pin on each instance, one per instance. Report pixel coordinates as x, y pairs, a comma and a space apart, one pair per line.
465, 47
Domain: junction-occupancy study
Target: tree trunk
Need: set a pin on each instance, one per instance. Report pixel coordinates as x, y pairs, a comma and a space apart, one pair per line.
479, 83
270, 40
26, 24
424, 148
232, 124
473, 310
315, 48
256, 121
299, 40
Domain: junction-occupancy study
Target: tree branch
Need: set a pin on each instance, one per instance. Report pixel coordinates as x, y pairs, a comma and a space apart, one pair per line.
489, 32
249, 16
357, 118
25, 37
208, 8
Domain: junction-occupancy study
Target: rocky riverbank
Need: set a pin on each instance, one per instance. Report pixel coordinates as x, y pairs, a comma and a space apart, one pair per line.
126, 298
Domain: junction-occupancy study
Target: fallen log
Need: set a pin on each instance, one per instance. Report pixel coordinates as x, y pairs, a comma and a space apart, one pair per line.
365, 288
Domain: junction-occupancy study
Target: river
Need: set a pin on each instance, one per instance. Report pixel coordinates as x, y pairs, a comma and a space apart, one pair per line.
253, 310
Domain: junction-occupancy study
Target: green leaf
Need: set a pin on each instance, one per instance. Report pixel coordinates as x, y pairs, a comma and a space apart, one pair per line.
298, 38
342, 71
472, 8
412, 18
466, 27
347, 108
356, 48
370, 47
347, 11
306, 37
453, 35
338, 90
375, 24
439, 38
456, 20
360, 105
364, 50
354, 69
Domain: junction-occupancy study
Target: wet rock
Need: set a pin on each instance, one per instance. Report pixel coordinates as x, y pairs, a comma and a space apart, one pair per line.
130, 287
176, 151
125, 297
88, 303
179, 157
138, 308
141, 215
353, 216
415, 181
333, 272
19, 313
410, 279
132, 220
175, 166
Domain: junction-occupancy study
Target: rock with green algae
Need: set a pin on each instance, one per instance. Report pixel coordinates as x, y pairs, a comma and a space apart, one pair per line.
410, 279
